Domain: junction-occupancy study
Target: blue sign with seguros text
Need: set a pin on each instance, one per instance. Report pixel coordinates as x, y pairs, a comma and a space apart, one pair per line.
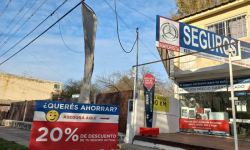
181, 37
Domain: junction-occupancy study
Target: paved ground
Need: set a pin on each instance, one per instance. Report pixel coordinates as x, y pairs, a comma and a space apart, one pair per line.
195, 141
19, 136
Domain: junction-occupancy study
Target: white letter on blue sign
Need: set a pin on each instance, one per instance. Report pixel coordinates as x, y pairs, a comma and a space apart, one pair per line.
218, 43
187, 42
194, 37
204, 40
234, 53
210, 42
224, 47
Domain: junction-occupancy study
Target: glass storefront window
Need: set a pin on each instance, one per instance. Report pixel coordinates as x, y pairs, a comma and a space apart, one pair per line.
209, 106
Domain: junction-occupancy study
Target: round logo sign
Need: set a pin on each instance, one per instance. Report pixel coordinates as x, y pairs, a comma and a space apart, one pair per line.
149, 81
169, 32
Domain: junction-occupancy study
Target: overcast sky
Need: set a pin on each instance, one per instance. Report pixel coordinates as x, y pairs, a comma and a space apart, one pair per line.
57, 62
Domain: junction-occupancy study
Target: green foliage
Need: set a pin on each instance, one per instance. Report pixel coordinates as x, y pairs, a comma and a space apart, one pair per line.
10, 145
74, 87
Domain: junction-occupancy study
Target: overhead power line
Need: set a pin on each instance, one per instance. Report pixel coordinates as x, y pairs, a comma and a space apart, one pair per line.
40, 34
22, 25
14, 18
63, 39
19, 20
5, 8
185, 54
137, 10
34, 28
41, 62
117, 27
131, 30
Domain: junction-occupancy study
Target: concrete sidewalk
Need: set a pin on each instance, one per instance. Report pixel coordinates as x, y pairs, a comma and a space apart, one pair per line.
19, 136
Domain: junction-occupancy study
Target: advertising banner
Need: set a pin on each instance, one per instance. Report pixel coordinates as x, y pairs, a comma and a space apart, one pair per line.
161, 103
202, 124
181, 37
62, 125
149, 91
149, 103
240, 84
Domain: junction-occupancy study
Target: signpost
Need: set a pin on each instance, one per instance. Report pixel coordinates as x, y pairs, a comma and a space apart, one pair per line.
62, 125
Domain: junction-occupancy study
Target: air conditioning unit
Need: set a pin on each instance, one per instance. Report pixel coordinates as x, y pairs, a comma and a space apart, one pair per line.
204, 116
184, 112
191, 113
218, 116
207, 111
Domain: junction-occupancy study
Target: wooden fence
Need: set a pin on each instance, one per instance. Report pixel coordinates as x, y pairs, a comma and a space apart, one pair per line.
17, 109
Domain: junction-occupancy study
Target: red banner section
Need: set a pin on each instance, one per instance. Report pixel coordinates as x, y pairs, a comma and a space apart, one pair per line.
200, 124
149, 81
73, 135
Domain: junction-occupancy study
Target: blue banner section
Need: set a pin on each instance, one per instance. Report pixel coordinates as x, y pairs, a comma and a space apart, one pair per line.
62, 107
245, 50
149, 103
199, 39
203, 83
157, 27
240, 93
243, 80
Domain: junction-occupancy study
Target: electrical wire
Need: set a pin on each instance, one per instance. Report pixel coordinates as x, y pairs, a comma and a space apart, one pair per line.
41, 61
22, 25
19, 20
132, 31
117, 27
185, 54
14, 17
63, 39
5, 8
137, 11
34, 28
40, 34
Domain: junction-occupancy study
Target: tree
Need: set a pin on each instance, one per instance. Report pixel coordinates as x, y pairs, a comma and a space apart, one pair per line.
122, 81
72, 86
186, 7
117, 81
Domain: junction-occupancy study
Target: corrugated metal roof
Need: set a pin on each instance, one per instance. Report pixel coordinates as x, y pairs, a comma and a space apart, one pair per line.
206, 9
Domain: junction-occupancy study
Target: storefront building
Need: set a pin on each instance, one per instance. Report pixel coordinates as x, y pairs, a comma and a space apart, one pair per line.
202, 85
209, 101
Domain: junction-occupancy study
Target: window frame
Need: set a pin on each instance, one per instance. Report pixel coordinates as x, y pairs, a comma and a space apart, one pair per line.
224, 21
57, 89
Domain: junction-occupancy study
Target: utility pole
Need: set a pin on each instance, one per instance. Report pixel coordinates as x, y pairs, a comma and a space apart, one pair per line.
232, 96
135, 94
136, 80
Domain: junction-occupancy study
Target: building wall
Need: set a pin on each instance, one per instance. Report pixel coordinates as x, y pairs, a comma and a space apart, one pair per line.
21, 88
201, 21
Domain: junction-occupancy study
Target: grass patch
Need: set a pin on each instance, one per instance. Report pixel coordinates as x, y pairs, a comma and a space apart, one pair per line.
10, 145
